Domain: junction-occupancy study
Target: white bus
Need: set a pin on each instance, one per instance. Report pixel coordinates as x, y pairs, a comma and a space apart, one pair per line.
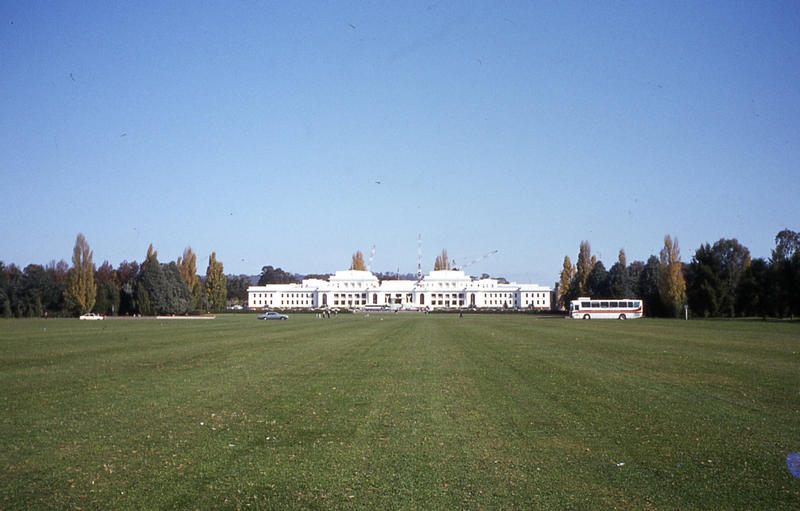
607, 308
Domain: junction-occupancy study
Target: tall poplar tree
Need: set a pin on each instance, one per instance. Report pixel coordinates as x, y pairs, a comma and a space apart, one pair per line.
216, 284
187, 265
143, 300
567, 274
81, 290
586, 262
442, 262
671, 284
152, 256
358, 261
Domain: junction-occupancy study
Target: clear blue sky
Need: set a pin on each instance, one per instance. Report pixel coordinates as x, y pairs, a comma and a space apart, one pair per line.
261, 130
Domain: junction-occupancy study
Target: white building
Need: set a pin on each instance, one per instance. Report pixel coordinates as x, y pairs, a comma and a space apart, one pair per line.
443, 289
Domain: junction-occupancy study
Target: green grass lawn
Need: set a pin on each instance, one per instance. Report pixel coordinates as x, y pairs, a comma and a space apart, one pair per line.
405, 412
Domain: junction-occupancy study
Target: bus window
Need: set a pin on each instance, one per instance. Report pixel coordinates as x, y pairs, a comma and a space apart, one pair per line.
596, 305
604, 305
614, 304
637, 304
585, 305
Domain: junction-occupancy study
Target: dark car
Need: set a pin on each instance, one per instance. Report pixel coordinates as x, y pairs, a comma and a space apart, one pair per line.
272, 315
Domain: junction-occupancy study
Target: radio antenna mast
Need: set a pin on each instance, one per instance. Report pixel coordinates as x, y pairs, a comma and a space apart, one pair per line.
371, 257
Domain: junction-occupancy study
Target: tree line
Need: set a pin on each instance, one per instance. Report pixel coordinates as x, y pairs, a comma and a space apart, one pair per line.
149, 288
721, 280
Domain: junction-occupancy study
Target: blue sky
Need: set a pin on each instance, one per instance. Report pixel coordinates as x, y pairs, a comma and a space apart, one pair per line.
294, 133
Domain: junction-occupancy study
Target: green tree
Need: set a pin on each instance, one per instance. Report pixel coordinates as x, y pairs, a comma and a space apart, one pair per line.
6, 305
148, 280
270, 275
142, 300
786, 272
237, 289
713, 276
108, 295
108, 298
177, 296
787, 243
34, 283
671, 284
164, 288
597, 284
5, 302
357, 262
41, 292
14, 285
755, 294
703, 287
53, 296
619, 278
649, 278
151, 286
734, 259
216, 292
81, 290
126, 274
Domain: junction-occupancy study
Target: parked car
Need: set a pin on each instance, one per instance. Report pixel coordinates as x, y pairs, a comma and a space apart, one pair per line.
272, 315
91, 317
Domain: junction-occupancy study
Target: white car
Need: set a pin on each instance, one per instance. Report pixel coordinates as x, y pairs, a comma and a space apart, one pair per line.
273, 315
92, 317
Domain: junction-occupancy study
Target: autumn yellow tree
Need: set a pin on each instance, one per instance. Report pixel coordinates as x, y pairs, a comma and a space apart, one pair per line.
81, 289
442, 262
358, 261
187, 265
151, 257
585, 264
671, 284
567, 274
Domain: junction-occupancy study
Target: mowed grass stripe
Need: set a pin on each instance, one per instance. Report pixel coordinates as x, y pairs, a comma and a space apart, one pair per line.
601, 408
181, 376
431, 412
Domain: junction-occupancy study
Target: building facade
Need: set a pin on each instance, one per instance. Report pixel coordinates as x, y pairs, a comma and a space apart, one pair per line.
442, 289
